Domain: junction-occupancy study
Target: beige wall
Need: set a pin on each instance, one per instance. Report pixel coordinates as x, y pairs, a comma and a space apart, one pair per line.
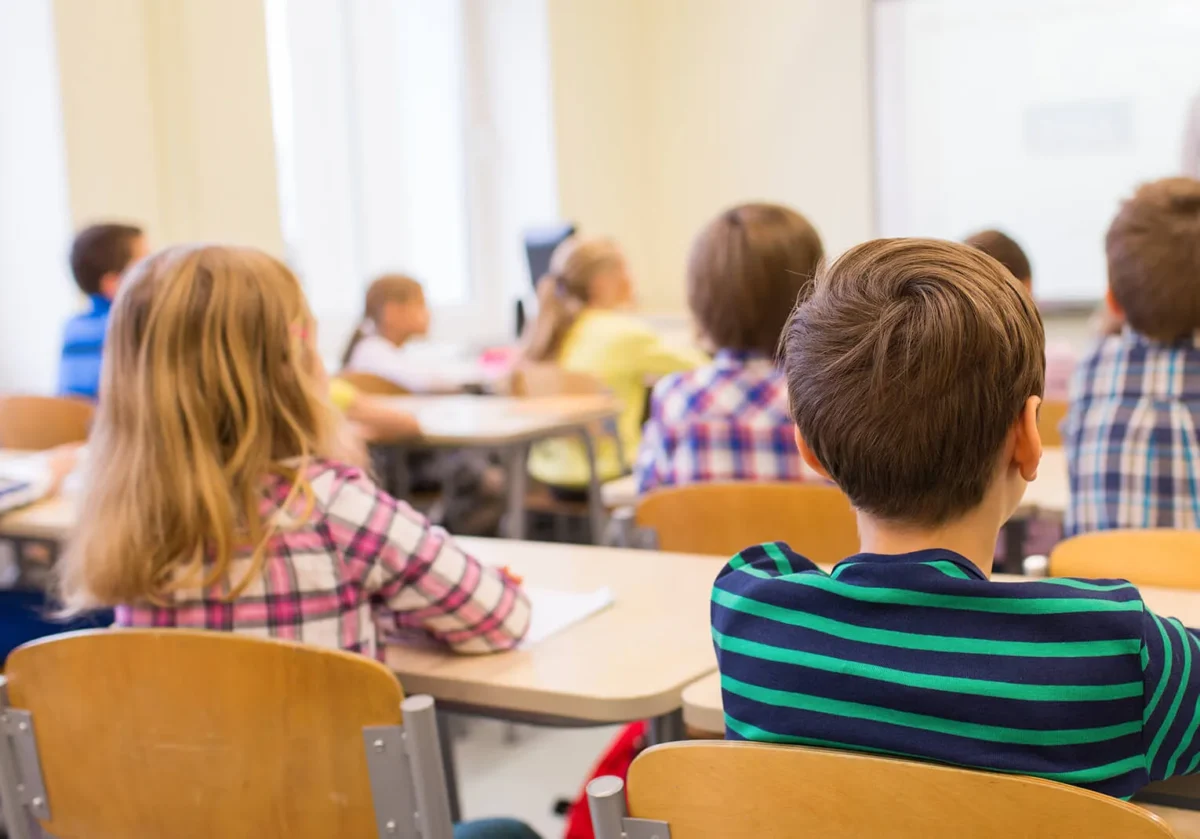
669, 110
167, 117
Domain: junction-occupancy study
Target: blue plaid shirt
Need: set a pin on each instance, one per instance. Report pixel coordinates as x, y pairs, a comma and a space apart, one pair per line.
1133, 453
83, 346
728, 421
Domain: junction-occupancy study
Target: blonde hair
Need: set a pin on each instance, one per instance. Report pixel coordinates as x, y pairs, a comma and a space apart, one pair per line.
564, 290
388, 288
210, 385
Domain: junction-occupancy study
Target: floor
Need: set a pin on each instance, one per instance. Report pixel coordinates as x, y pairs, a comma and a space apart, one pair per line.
524, 778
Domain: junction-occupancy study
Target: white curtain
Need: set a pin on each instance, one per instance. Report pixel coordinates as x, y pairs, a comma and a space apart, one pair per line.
413, 136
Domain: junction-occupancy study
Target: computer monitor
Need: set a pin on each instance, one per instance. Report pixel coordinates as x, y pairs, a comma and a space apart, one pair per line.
540, 243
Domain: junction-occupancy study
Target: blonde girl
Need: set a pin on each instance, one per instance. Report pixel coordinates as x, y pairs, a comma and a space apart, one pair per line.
582, 325
215, 498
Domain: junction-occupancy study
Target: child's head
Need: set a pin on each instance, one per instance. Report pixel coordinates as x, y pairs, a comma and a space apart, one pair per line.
394, 309
914, 371
1153, 250
100, 255
211, 383
747, 269
1002, 248
584, 273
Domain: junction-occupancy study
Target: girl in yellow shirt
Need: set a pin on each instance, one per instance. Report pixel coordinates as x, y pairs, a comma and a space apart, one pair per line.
583, 326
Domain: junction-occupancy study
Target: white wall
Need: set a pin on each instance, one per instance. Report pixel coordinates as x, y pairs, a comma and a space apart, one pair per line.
34, 225
668, 111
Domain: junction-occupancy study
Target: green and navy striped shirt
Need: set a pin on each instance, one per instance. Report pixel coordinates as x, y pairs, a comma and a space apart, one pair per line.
921, 656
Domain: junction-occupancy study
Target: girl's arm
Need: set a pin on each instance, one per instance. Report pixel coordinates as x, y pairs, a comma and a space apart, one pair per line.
656, 357
420, 577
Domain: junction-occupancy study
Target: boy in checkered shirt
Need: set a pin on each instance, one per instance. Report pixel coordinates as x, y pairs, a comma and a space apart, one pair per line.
1133, 451
729, 421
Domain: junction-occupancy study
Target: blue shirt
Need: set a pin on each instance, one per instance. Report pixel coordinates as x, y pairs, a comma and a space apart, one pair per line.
83, 347
921, 656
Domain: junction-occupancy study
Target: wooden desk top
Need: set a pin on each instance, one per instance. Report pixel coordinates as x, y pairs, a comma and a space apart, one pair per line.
702, 709
630, 661
1048, 495
463, 420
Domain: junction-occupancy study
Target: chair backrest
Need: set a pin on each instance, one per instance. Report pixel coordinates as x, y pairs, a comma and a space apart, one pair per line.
36, 423
1161, 557
704, 790
543, 379
723, 518
1050, 418
199, 734
372, 384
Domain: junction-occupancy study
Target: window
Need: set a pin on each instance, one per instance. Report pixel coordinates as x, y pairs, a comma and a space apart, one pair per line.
413, 136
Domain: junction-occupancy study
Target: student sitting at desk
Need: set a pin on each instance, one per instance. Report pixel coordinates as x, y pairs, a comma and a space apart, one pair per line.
915, 372
582, 325
729, 420
215, 499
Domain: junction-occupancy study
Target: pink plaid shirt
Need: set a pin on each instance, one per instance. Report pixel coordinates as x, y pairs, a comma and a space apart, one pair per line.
728, 421
361, 562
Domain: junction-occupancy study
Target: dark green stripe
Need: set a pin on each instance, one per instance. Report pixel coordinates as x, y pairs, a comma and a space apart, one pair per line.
917, 641
908, 597
1083, 585
925, 681
1090, 775
925, 722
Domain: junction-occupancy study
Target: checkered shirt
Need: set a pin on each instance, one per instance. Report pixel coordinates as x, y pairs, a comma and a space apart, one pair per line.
1133, 453
728, 421
360, 563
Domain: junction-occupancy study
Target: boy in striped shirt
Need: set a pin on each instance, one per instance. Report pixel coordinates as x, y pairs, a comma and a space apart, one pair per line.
915, 372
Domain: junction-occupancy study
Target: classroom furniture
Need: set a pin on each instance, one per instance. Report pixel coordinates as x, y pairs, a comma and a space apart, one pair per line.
371, 384
1050, 419
221, 735
1047, 496
739, 790
35, 423
816, 519
510, 426
1161, 557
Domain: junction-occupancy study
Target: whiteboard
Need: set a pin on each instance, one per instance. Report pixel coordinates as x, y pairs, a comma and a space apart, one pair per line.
1033, 116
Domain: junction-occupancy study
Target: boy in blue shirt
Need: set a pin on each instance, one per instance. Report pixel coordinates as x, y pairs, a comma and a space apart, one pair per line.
99, 257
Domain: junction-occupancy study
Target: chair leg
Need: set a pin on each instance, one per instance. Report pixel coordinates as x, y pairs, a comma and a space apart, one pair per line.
16, 819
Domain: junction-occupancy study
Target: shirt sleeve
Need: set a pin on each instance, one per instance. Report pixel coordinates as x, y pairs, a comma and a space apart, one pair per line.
653, 460
650, 355
420, 578
1171, 683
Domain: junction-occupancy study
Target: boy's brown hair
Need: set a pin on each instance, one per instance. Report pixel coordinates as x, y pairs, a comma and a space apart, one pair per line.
99, 250
747, 268
906, 368
1004, 249
1153, 250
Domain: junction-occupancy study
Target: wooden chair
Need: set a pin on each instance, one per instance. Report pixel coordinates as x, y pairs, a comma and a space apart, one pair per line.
201, 734
723, 518
36, 423
372, 384
1161, 557
1050, 419
706, 790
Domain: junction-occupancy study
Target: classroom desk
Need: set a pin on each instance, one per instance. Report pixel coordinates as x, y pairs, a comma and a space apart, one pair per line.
510, 426
628, 662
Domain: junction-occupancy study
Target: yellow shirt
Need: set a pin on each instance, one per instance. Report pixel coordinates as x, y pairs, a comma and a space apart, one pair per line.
623, 352
342, 394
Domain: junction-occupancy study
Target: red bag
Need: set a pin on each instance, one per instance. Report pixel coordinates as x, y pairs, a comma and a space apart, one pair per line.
616, 759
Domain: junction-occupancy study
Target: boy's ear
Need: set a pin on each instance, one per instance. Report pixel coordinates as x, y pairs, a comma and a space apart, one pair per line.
109, 284
806, 454
1114, 308
1027, 453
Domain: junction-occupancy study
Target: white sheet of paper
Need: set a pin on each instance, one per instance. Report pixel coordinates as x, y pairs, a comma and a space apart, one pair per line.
554, 611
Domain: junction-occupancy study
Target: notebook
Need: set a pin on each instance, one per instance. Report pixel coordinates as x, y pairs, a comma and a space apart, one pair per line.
554, 611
